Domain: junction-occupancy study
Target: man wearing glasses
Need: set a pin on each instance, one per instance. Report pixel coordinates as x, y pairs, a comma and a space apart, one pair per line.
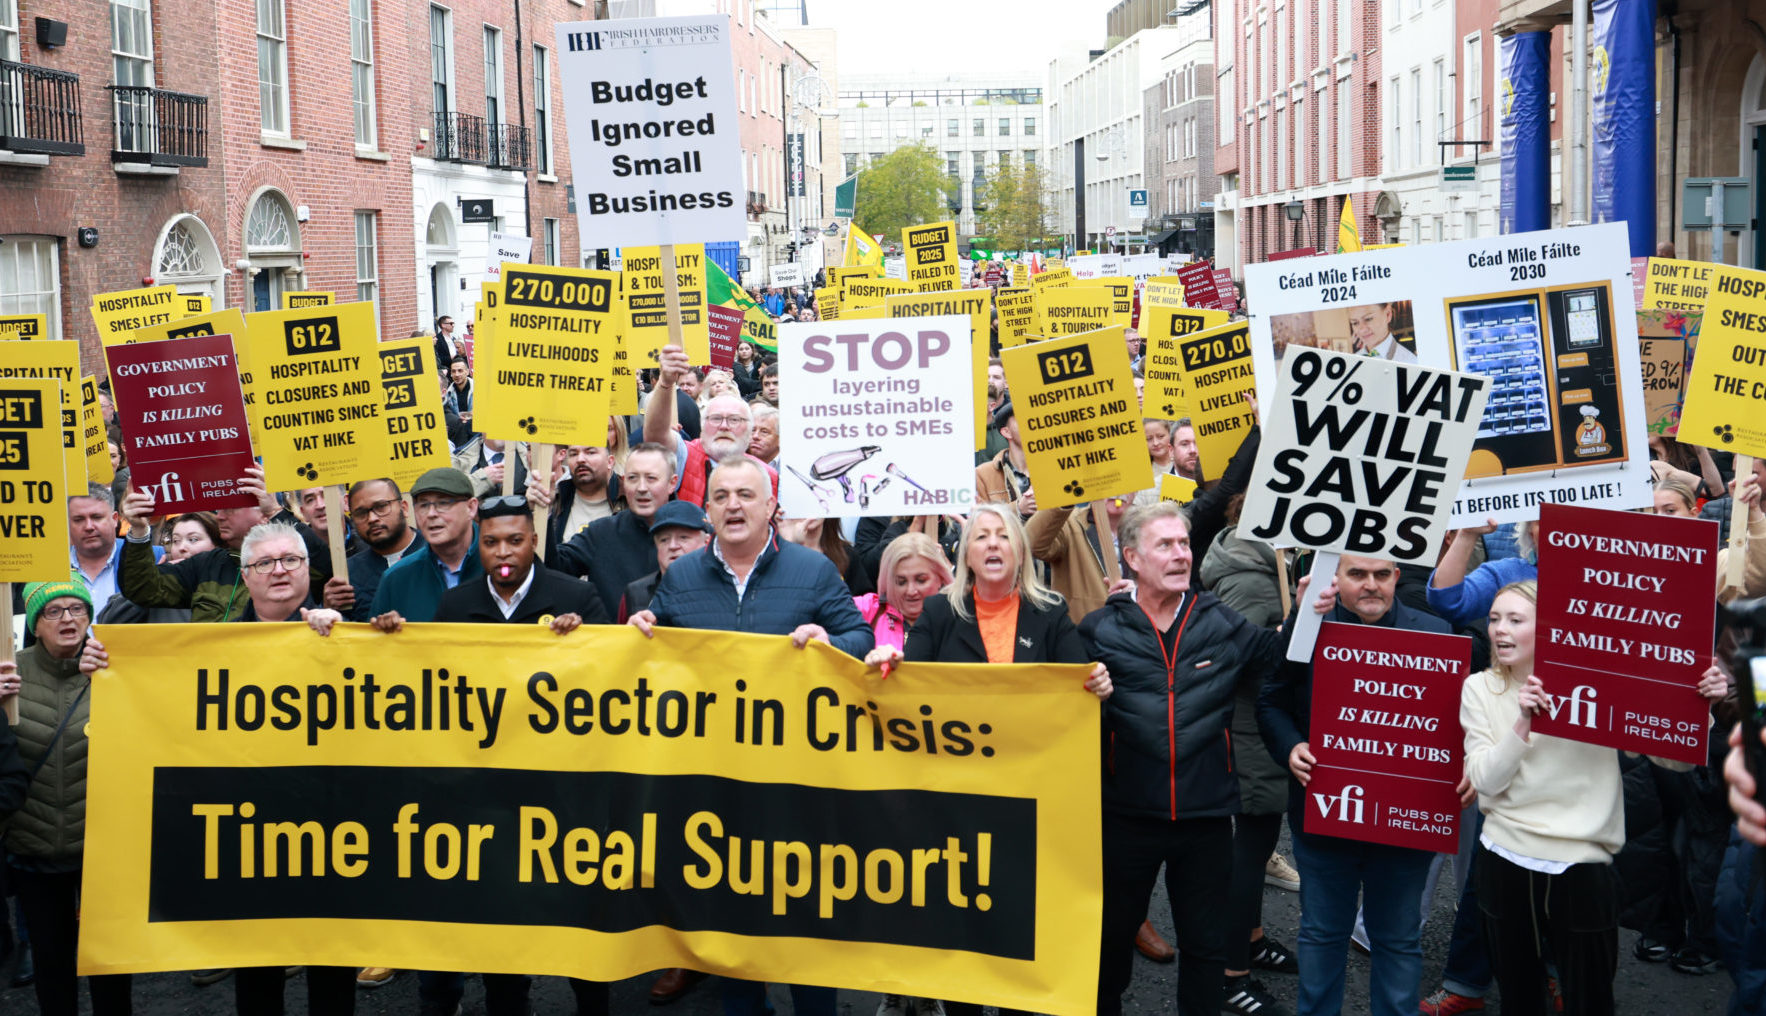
273, 564
725, 430
445, 508
383, 528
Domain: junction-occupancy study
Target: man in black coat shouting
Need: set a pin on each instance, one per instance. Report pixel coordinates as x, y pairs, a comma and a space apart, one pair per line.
1177, 657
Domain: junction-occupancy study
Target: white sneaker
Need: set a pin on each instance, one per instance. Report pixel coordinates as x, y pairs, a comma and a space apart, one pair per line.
1279, 873
892, 1005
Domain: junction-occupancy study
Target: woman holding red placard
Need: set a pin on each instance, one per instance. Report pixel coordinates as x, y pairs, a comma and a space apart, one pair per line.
1553, 820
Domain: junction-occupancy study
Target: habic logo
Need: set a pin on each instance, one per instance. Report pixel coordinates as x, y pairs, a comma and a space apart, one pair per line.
1583, 708
1347, 802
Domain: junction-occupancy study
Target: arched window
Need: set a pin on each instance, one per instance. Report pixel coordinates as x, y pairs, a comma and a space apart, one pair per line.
188, 257
269, 226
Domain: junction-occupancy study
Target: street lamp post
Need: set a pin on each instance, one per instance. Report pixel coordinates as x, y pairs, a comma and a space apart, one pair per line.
1295, 211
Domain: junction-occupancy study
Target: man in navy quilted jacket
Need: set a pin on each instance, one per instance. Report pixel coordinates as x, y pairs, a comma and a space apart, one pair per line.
749, 580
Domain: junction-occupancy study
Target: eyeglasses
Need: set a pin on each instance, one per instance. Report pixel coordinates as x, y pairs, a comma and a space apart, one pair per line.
73, 610
438, 505
378, 509
515, 501
289, 562
721, 420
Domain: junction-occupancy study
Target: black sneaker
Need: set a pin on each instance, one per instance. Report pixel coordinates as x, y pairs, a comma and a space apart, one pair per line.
1268, 954
1691, 961
1651, 951
1246, 997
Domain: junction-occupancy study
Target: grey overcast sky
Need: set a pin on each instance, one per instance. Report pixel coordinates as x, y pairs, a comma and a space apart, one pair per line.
939, 37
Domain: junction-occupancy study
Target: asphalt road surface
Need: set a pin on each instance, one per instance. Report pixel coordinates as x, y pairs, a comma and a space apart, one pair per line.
1643, 989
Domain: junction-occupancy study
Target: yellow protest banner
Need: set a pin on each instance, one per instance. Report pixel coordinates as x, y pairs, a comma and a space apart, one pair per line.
1162, 325
930, 251
874, 310
1017, 318
839, 275
974, 303
218, 322
872, 292
1173, 487
1070, 310
1020, 273
622, 384
317, 414
1677, 285
552, 357
58, 362
194, 303
1725, 406
828, 304
118, 314
24, 326
1216, 379
94, 437
646, 315
33, 481
294, 299
498, 798
1121, 287
1161, 292
1078, 417
412, 408
1053, 278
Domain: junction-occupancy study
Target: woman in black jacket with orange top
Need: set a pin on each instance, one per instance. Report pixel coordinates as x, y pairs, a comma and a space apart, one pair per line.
994, 611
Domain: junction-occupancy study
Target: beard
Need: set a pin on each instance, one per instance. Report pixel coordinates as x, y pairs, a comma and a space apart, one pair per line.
720, 447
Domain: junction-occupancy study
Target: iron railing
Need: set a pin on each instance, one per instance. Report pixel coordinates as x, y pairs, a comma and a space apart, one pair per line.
158, 127
511, 146
459, 137
40, 110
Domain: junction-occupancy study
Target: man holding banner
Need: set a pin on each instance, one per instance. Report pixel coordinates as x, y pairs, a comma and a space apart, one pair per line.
1335, 873
798, 592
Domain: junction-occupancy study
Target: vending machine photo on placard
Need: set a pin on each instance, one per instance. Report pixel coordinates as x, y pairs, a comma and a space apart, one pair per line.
1555, 400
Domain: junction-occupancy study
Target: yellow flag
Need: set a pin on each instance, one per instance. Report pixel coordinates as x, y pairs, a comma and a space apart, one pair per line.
861, 249
1348, 239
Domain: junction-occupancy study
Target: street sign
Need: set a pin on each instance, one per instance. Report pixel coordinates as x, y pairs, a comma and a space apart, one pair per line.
1137, 199
1109, 230
1459, 178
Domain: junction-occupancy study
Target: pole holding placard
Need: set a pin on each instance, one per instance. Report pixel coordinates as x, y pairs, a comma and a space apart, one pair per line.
10, 702
1281, 579
1738, 526
334, 532
541, 520
1307, 620
1106, 545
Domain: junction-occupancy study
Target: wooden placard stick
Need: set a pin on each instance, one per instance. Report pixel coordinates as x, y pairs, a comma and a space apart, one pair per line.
1281, 578
1106, 545
671, 308
541, 520
1738, 525
10, 702
334, 533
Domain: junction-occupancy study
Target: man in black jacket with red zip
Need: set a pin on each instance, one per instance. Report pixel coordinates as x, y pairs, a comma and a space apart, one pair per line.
1177, 657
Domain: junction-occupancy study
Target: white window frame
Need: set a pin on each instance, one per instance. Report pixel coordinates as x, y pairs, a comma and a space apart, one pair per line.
14, 297
1472, 79
1416, 116
1345, 116
368, 246
542, 107
452, 98
550, 235
274, 112
362, 90
1397, 88
8, 29
493, 77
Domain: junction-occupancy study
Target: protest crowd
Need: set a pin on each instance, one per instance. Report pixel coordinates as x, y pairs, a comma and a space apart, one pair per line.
1243, 569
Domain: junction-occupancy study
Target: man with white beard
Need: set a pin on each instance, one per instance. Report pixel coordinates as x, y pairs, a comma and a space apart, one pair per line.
724, 430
